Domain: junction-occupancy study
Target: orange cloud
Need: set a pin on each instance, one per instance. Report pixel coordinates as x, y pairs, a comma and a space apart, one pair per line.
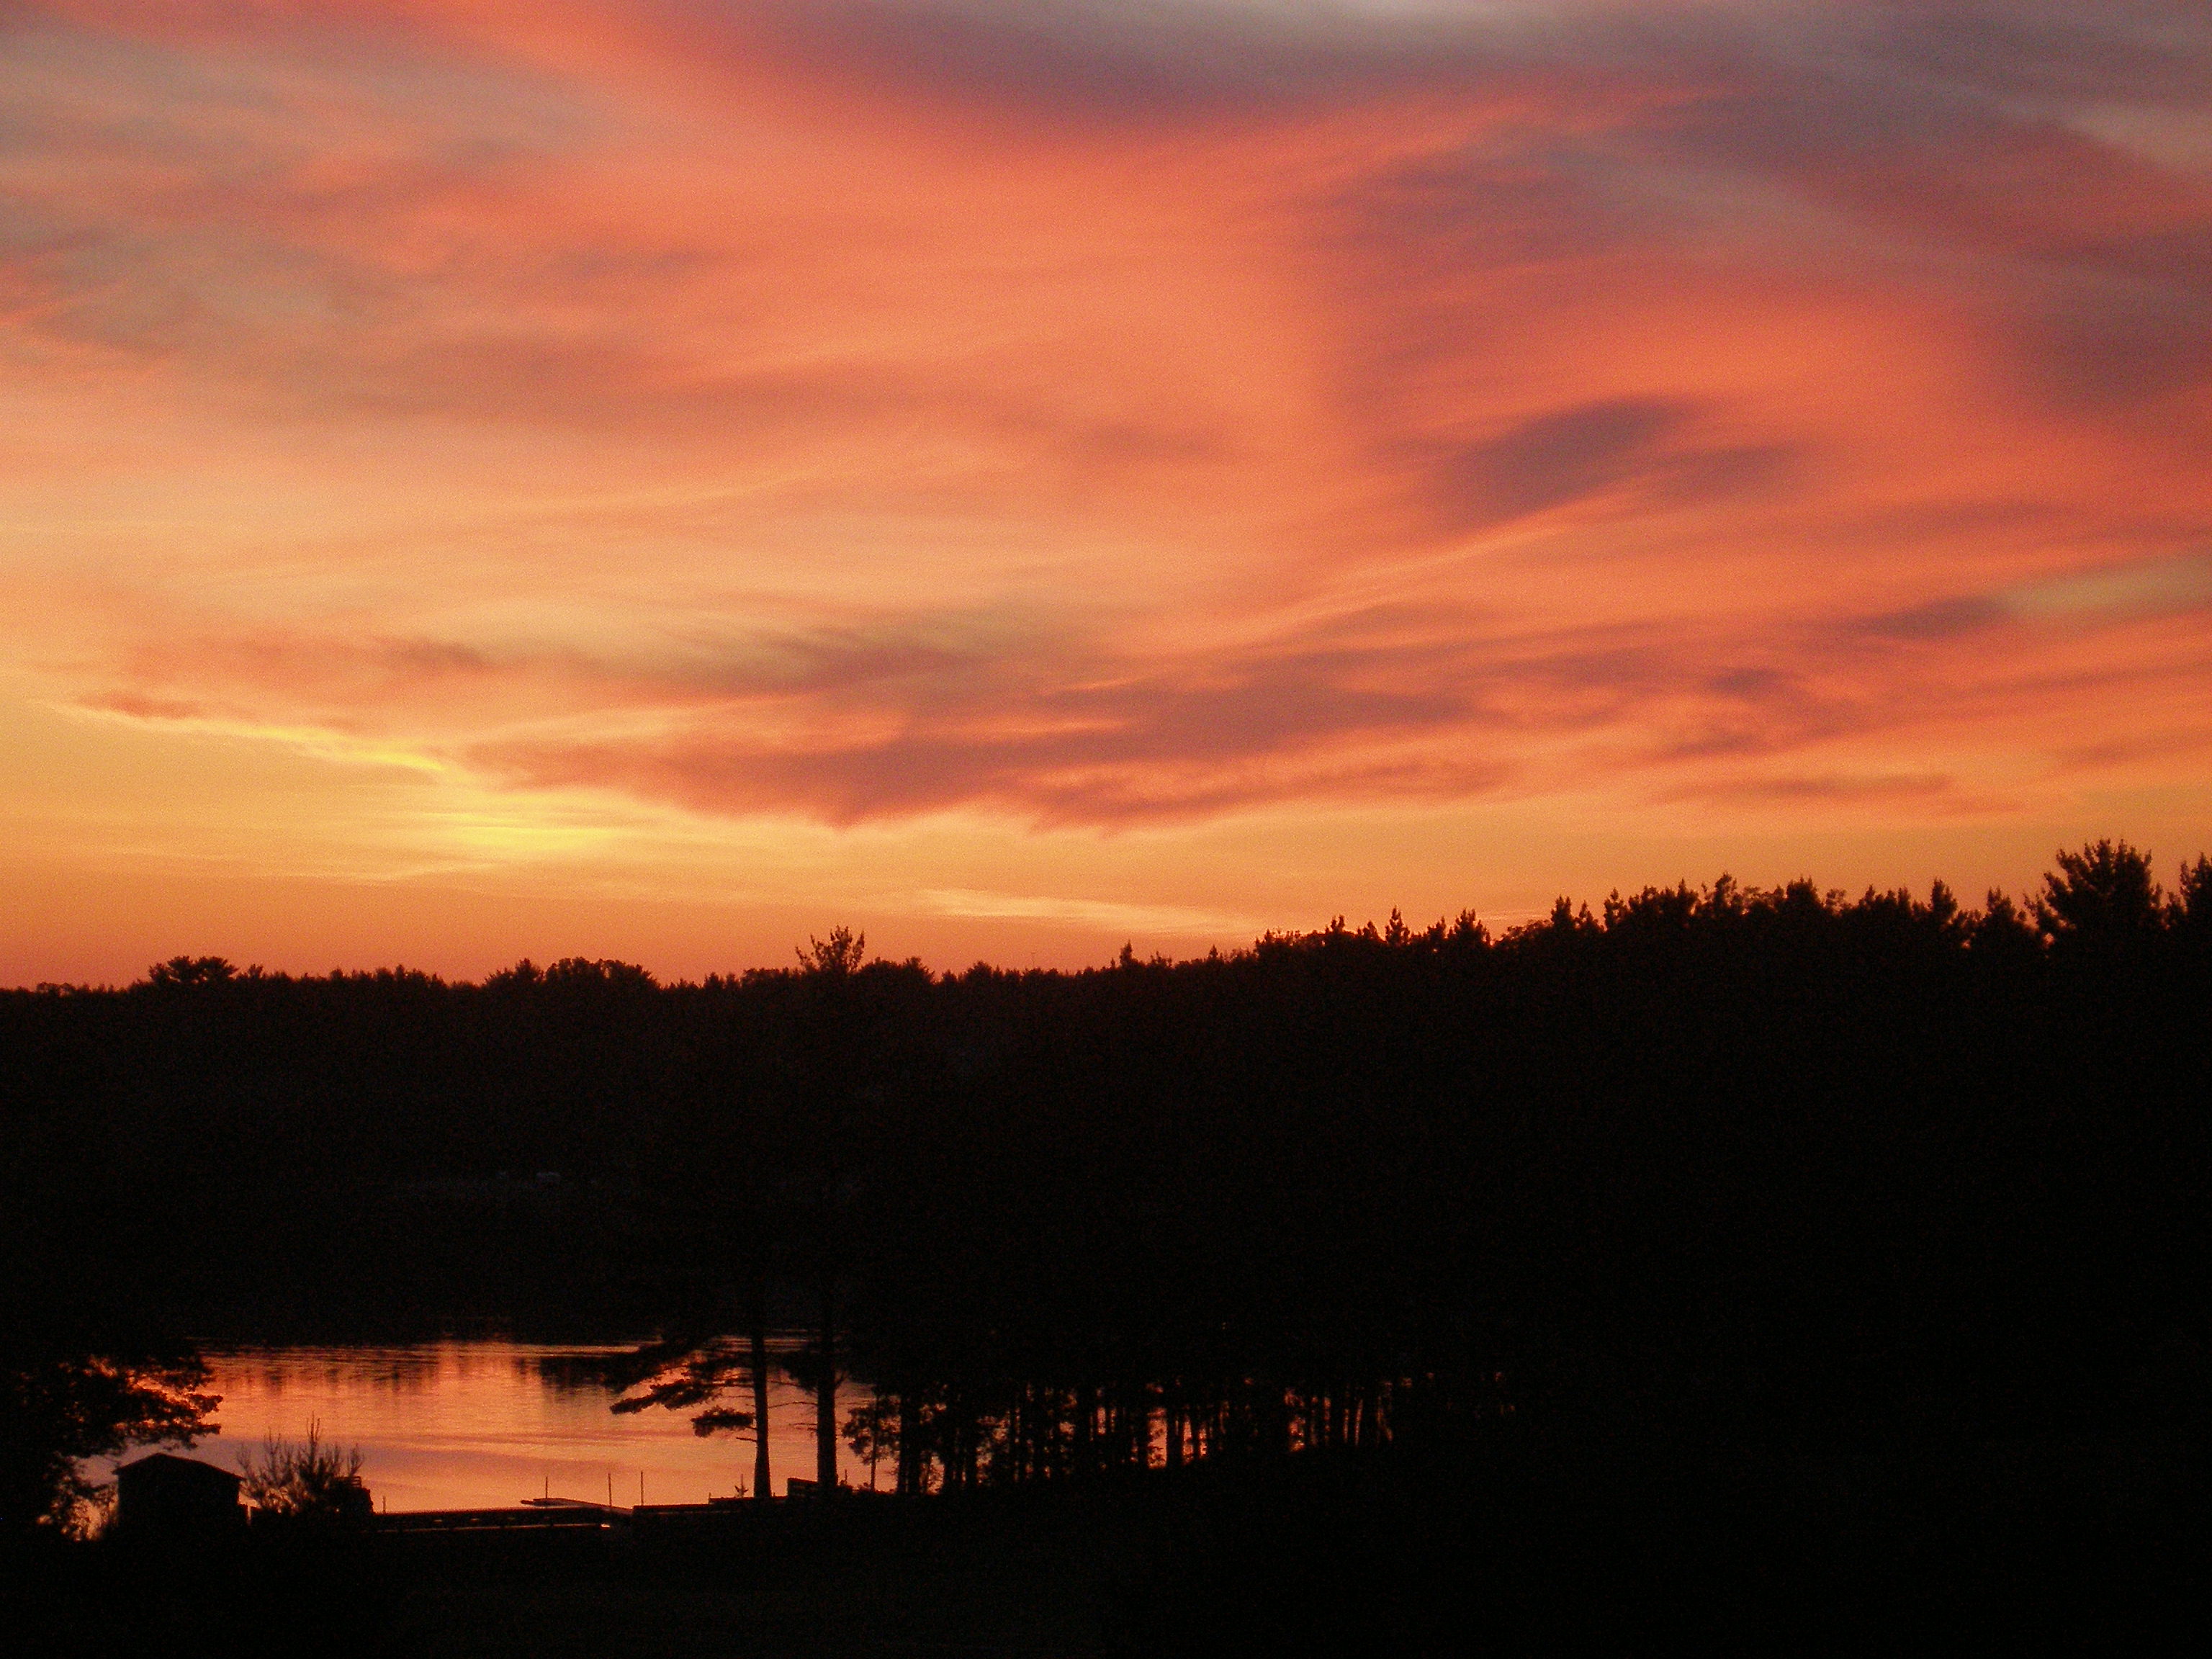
1085, 417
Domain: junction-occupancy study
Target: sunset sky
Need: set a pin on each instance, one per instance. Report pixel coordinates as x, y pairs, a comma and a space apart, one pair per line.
656, 479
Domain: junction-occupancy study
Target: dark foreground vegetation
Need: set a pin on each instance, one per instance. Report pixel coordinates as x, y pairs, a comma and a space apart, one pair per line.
1771, 1227
1512, 1553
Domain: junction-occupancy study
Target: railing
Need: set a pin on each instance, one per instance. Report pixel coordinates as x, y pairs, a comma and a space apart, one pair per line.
568, 1517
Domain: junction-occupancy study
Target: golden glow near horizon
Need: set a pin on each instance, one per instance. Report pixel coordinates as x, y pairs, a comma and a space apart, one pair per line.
642, 479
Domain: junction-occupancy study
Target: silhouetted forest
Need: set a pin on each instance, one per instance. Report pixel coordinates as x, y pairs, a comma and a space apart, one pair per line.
1707, 1165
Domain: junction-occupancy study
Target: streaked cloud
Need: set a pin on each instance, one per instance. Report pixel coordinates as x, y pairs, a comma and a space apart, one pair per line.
1151, 920
1120, 417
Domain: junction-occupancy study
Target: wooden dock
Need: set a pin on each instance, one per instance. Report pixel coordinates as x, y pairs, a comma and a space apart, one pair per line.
532, 1517
575, 1519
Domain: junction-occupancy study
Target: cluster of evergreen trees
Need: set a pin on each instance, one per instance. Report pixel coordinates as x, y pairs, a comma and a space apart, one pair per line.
1706, 1162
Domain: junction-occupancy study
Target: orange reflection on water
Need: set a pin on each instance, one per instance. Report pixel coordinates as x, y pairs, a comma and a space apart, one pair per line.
473, 1423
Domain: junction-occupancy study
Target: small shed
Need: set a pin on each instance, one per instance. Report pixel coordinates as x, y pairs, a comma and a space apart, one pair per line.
167, 1493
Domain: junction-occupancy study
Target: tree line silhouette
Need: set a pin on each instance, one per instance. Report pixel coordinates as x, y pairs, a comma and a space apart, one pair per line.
1714, 1164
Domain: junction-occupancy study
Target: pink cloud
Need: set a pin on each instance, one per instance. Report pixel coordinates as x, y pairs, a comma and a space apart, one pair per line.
1131, 414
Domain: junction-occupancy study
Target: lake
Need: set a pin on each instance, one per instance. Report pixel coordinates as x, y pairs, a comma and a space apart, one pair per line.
468, 1424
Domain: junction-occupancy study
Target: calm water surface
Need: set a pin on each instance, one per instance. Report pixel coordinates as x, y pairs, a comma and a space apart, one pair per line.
468, 1424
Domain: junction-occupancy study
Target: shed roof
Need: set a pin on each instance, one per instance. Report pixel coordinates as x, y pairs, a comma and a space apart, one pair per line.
165, 1466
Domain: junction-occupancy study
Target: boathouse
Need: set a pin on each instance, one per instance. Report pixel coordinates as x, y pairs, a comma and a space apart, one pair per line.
167, 1493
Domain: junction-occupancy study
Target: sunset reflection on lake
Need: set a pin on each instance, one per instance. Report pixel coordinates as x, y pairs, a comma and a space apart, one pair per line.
473, 1423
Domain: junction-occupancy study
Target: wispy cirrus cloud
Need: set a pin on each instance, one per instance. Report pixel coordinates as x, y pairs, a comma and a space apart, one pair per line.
1053, 726
1104, 415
